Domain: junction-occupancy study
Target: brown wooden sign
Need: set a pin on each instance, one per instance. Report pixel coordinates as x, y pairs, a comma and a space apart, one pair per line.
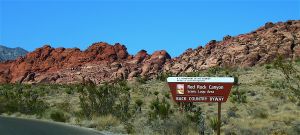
200, 89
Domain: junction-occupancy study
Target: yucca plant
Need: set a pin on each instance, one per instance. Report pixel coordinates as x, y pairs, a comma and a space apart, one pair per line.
213, 123
159, 109
238, 96
139, 104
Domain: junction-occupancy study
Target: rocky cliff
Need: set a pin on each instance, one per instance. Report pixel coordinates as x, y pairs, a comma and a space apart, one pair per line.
102, 62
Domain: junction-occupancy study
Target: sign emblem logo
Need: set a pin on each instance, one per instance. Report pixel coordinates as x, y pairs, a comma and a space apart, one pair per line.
180, 89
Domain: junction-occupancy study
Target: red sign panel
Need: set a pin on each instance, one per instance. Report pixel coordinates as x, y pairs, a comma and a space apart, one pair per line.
200, 89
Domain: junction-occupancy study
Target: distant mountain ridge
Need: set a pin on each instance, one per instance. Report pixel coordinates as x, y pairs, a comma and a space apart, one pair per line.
7, 53
103, 62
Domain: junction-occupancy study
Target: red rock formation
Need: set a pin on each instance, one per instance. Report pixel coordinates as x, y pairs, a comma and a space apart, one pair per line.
255, 48
100, 62
103, 62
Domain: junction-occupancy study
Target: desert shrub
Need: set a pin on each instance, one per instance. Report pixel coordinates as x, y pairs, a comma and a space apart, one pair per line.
55, 86
79, 88
7, 86
121, 108
230, 132
187, 106
259, 113
176, 125
69, 90
58, 116
236, 80
297, 60
194, 115
238, 96
213, 123
192, 74
229, 71
163, 76
105, 122
279, 93
129, 128
214, 71
278, 84
231, 112
97, 100
278, 132
141, 80
159, 109
145, 91
285, 66
14, 98
296, 127
267, 71
105, 99
156, 93
267, 66
139, 104
65, 106
291, 75
167, 95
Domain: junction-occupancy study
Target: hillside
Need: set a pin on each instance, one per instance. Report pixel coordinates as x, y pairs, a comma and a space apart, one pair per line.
102, 62
268, 106
7, 53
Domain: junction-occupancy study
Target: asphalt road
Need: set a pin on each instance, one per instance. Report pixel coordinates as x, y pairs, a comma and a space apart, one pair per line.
17, 126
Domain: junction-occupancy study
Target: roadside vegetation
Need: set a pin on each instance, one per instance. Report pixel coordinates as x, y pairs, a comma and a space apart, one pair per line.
264, 100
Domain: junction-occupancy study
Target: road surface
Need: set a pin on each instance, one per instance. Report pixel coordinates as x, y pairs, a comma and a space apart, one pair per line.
17, 126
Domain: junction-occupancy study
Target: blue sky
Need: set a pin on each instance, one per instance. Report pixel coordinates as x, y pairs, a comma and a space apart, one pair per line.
151, 25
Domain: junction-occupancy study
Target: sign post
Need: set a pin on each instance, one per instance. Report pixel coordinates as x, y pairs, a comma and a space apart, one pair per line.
219, 118
201, 89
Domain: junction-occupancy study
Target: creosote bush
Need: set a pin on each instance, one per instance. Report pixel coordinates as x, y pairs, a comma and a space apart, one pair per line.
58, 116
105, 99
18, 98
291, 77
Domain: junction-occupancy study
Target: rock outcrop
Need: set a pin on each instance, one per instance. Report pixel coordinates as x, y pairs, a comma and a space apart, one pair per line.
102, 62
99, 63
255, 48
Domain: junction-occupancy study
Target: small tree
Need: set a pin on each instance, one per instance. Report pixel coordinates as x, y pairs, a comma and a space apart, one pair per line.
291, 74
106, 99
98, 100
123, 101
286, 67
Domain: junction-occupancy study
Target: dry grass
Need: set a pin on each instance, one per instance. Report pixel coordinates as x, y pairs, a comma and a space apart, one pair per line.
106, 122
